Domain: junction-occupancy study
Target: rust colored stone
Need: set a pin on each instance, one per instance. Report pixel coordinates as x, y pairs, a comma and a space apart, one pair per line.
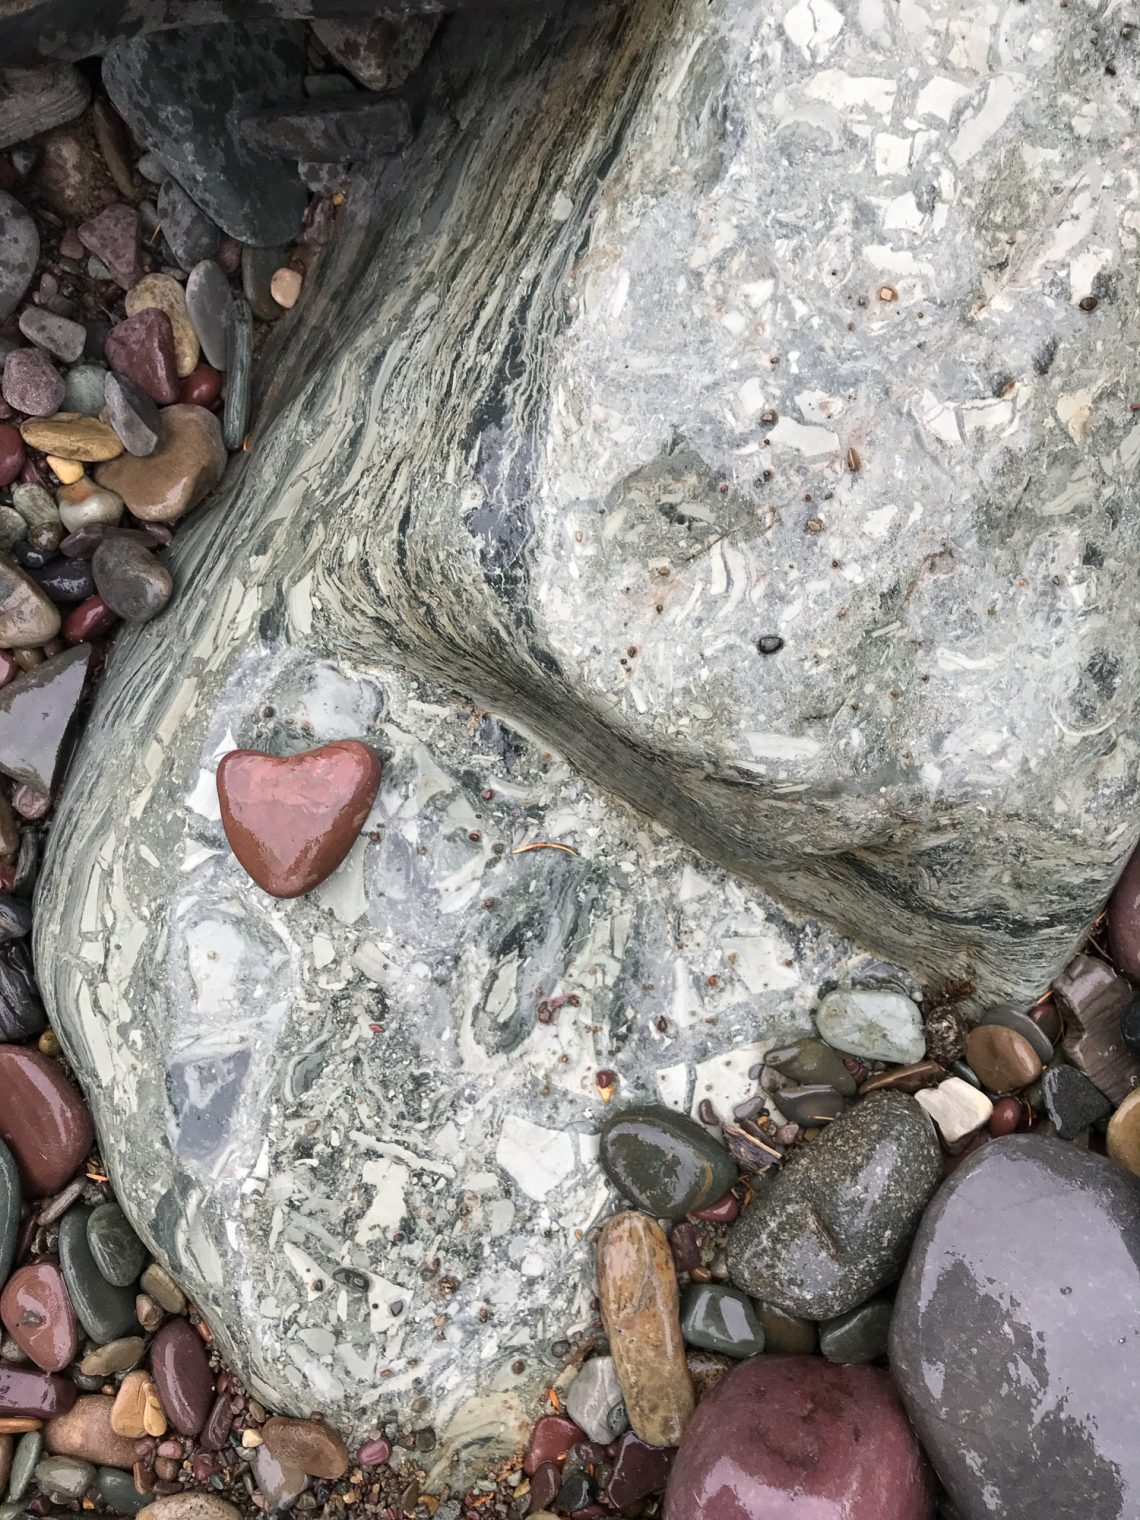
1003, 1060
37, 1314
306, 1444
291, 820
638, 1291
43, 1120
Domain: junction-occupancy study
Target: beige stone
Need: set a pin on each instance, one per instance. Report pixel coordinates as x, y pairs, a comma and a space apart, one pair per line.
306, 1444
164, 293
185, 467
27, 618
637, 1286
5, 1461
84, 503
71, 435
199, 1506
285, 287
958, 1109
138, 1409
66, 471
115, 1356
1123, 1137
158, 1284
85, 1431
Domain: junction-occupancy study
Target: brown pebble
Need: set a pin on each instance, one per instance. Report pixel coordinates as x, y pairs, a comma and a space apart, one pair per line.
158, 1284
306, 1444
85, 1432
1003, 1060
1123, 1137
637, 1287
909, 1079
1008, 1117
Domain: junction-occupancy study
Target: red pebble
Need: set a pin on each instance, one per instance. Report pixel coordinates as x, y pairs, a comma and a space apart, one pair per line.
723, 1211
11, 454
1008, 1117
228, 254
31, 474
203, 1466
202, 386
374, 1453
53, 647
550, 1440
7, 882
29, 803
88, 621
685, 1246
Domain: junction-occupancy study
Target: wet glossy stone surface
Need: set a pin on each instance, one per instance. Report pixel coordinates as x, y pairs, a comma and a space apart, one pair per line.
210, 304
1071, 1101
142, 349
132, 581
716, 1318
664, 1162
1004, 1060
1122, 1138
813, 1062
309, 1445
37, 714
181, 1372
858, 1336
37, 1314
1092, 998
43, 1120
27, 618
133, 415
85, 1432
118, 1252
105, 1311
595, 1401
1022, 1024
291, 820
796, 1438
185, 467
1031, 1413
39, 1394
9, 1210
163, 293
786, 1334
638, 1293
833, 1224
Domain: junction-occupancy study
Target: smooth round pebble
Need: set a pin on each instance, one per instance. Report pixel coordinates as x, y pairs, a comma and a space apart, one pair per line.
43, 1120
37, 1314
1003, 1060
307, 1444
285, 287
181, 1372
119, 1254
663, 1161
31, 383
131, 580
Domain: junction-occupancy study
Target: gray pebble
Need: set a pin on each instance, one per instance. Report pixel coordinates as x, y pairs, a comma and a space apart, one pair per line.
211, 309
133, 415
19, 250
83, 389
239, 364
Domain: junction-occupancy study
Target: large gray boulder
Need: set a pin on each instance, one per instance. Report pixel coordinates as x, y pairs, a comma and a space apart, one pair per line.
540, 442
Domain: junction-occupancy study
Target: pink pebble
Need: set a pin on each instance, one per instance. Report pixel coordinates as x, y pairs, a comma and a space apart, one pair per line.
374, 1453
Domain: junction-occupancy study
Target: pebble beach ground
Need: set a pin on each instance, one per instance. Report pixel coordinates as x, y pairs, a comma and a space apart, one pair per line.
755, 1303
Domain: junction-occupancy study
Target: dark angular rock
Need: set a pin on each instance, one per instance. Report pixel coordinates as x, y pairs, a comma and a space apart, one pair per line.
664, 1162
183, 92
19, 250
860, 1335
1092, 997
133, 415
638, 1471
67, 582
105, 1311
185, 226
37, 713
131, 580
142, 349
1013, 1342
833, 1224
1072, 1103
329, 131
791, 1437
22, 1015
9, 1210
33, 100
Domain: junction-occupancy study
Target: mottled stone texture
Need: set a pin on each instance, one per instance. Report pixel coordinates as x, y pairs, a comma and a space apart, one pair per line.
487, 460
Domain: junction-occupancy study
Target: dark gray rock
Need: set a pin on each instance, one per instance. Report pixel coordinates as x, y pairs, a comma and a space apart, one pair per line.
1072, 1103
860, 1335
833, 1224
58, 336
258, 266
183, 92
118, 1488
37, 99
118, 1252
210, 306
9, 1210
37, 714
131, 579
191, 234
718, 1318
328, 131
664, 1162
239, 376
22, 1015
15, 917
19, 250
105, 1311
132, 413
380, 52
1014, 1336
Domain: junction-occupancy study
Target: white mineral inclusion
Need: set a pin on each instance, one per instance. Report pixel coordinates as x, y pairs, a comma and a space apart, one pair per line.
538, 1159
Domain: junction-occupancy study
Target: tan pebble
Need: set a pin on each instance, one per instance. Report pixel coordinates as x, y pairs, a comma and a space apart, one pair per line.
115, 1356
1123, 1137
637, 1286
83, 503
147, 1312
193, 1506
48, 1043
129, 1405
158, 1283
154, 1416
85, 1431
285, 287
164, 293
309, 1445
185, 467
66, 471
250, 1438
17, 1424
1002, 1060
71, 435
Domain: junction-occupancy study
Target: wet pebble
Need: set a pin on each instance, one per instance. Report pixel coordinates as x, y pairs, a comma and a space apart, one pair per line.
65, 1478
38, 1394
31, 383
142, 349
552, 1437
85, 1432
133, 415
211, 308
258, 266
37, 1314
716, 1318
161, 292
118, 1489
185, 467
157, 1282
90, 620
19, 251
191, 234
874, 1024
958, 1110
1022, 1024
70, 435
116, 1356
1071, 1102
130, 579
105, 1311
309, 1446
811, 1062
202, 386
860, 1335
280, 1483
1092, 998
119, 1254
9, 1210
11, 454
1003, 1059
113, 237
83, 389
663, 1161
43, 1120
181, 1372
786, 1334
24, 1459
640, 1310
594, 1400
239, 367
216, 1431
1122, 1138
66, 581
37, 712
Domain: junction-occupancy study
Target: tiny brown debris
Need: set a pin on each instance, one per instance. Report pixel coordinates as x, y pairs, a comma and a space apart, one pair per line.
854, 463
1087, 303
888, 293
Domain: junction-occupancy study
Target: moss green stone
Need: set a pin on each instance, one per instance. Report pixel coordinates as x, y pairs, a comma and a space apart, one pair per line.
786, 1334
664, 1162
860, 1335
811, 1062
715, 1318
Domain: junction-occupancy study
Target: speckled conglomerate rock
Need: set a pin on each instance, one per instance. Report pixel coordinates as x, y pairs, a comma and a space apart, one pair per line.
540, 443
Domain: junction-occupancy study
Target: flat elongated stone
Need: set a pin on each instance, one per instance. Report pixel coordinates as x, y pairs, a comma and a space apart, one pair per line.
38, 1394
291, 820
38, 1316
795, 1437
43, 1119
1032, 1244
1092, 999
210, 305
873, 1023
185, 467
105, 1311
60, 336
33, 100
133, 415
834, 1223
810, 1062
181, 1372
118, 1252
239, 367
638, 1292
184, 91
37, 713
19, 251
664, 1162
70, 435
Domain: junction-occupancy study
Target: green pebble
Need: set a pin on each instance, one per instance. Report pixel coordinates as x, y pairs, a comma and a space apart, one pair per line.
787, 1334
239, 363
860, 1335
119, 1254
715, 1318
83, 389
664, 1162
24, 1459
65, 1477
810, 1062
105, 1311
118, 1489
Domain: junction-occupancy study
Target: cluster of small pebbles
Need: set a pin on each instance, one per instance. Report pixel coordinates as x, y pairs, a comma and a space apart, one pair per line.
784, 1228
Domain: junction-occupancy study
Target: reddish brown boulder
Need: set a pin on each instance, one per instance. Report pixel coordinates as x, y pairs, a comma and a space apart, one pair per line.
37, 1314
291, 820
799, 1438
43, 1120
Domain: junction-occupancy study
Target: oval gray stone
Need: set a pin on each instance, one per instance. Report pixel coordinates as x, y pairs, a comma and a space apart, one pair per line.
106, 1312
119, 1254
832, 1225
1013, 1342
19, 250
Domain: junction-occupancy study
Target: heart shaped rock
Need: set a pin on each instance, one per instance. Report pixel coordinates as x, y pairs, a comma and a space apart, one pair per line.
291, 820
